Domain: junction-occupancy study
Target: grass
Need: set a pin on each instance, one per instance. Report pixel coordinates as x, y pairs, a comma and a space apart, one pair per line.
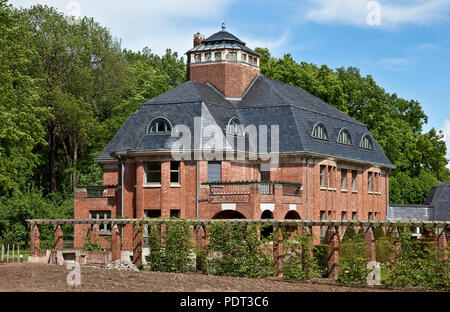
25, 253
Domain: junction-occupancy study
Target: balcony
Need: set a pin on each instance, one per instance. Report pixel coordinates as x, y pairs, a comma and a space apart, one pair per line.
240, 191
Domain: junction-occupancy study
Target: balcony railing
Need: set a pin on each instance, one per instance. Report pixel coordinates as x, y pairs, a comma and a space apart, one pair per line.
243, 188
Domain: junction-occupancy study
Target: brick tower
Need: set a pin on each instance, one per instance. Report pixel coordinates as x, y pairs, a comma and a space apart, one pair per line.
224, 61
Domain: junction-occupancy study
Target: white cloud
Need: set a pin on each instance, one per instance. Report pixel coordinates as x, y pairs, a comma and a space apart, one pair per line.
392, 13
156, 24
397, 64
446, 131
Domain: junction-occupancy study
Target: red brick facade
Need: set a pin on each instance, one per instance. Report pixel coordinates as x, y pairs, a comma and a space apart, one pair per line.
337, 201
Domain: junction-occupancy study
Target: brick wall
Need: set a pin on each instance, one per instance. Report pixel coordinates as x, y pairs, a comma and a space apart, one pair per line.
231, 79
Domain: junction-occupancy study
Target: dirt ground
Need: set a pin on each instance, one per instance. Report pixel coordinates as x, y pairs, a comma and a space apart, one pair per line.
29, 277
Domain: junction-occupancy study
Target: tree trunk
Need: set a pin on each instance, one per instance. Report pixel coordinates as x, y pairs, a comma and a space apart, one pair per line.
52, 158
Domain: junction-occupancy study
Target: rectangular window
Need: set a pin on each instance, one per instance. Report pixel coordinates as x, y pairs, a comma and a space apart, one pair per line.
153, 213
322, 176
322, 228
322, 214
218, 56
370, 215
102, 215
208, 57
175, 213
153, 172
369, 186
374, 182
376, 216
343, 215
175, 172
329, 215
244, 57
354, 215
255, 61
214, 171
354, 175
232, 56
344, 179
329, 176
198, 58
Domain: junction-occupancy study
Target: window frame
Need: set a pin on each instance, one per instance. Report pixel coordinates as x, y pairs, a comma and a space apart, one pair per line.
322, 176
344, 179
199, 59
167, 125
177, 171
218, 58
220, 166
325, 131
354, 180
369, 140
104, 229
339, 137
235, 126
234, 58
206, 57
147, 171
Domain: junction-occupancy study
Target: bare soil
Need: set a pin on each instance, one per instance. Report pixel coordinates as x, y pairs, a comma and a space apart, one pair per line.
30, 277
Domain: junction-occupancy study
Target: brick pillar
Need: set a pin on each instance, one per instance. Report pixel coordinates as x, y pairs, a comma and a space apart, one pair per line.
333, 252
137, 244
35, 239
441, 242
200, 236
278, 251
95, 232
165, 188
369, 237
394, 241
254, 201
278, 199
140, 174
58, 237
116, 243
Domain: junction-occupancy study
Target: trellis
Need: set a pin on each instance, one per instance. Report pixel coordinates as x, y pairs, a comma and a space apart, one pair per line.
200, 228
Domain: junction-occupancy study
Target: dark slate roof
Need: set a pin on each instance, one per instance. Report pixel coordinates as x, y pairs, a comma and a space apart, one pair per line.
436, 206
266, 102
222, 40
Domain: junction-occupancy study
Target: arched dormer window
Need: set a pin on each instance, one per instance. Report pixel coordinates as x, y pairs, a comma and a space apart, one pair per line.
159, 126
366, 142
234, 127
344, 137
320, 132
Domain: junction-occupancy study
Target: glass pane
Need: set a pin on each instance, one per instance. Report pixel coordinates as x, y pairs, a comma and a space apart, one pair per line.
174, 177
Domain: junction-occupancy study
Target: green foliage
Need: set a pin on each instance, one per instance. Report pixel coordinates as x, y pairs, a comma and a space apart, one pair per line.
320, 258
352, 261
90, 245
172, 250
298, 260
234, 249
417, 264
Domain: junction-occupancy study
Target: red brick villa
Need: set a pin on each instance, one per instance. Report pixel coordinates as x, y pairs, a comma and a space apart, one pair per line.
328, 166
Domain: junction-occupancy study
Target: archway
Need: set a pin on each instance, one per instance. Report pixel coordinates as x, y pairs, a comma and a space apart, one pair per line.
292, 215
229, 214
267, 214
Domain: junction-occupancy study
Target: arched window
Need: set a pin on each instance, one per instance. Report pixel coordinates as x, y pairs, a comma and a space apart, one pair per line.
320, 132
159, 125
344, 137
234, 127
366, 142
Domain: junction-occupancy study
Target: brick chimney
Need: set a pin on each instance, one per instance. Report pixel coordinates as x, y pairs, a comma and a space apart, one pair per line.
198, 38
224, 61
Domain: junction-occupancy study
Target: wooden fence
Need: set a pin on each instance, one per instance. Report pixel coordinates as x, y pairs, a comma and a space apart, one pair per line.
11, 253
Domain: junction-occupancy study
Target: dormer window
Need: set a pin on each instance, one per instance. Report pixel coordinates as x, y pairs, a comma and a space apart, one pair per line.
366, 142
198, 58
159, 126
232, 56
218, 56
320, 132
344, 137
235, 127
208, 57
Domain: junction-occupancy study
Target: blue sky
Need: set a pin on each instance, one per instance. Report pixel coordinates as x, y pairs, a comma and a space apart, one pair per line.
403, 44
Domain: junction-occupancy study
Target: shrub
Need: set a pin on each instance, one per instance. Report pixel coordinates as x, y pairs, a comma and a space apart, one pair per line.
417, 264
172, 250
352, 261
320, 257
234, 249
298, 261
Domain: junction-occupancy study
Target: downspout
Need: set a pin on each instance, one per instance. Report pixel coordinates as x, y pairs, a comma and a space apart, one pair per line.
121, 196
307, 189
196, 189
